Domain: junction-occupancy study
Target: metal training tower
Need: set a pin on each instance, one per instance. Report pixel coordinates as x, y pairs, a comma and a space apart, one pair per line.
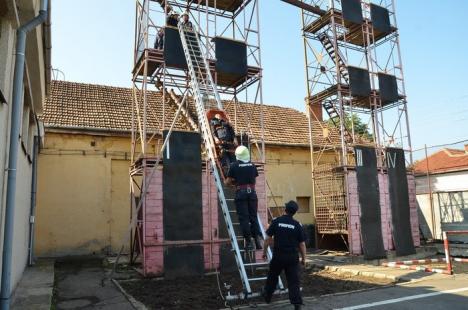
355, 75
211, 64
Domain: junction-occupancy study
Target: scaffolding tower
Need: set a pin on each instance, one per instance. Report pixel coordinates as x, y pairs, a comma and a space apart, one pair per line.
355, 78
163, 73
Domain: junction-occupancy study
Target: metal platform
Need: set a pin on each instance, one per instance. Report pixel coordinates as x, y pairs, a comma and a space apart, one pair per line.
355, 34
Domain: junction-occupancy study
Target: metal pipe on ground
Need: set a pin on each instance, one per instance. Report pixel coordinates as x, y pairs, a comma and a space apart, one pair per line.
15, 124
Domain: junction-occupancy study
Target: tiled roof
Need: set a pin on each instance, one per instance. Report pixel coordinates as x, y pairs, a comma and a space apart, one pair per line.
96, 107
443, 161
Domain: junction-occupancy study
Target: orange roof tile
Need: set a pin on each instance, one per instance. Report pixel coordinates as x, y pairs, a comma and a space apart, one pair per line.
443, 161
97, 107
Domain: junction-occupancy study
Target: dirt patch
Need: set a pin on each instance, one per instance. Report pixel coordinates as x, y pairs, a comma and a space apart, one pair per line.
203, 292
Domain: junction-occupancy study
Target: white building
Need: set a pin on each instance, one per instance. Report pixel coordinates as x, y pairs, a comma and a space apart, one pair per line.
442, 192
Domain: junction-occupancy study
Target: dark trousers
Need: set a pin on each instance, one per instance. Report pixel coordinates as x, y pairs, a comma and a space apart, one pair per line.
290, 264
227, 157
246, 207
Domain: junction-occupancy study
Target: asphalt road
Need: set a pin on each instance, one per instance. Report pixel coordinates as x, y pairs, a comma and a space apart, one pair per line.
445, 293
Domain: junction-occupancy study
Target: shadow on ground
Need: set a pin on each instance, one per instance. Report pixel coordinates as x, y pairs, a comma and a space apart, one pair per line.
80, 284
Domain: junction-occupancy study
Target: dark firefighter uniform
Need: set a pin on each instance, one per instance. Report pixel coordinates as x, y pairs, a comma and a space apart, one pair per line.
288, 234
244, 174
225, 133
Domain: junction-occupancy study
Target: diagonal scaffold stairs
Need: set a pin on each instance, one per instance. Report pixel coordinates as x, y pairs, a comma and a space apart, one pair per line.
205, 95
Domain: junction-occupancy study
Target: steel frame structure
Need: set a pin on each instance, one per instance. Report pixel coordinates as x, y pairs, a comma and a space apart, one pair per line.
232, 19
331, 44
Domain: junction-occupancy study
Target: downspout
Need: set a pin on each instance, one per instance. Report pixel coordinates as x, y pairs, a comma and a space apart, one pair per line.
21, 35
32, 212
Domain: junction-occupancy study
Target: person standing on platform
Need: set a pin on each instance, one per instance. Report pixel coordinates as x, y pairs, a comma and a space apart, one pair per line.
172, 18
159, 44
288, 238
186, 21
243, 173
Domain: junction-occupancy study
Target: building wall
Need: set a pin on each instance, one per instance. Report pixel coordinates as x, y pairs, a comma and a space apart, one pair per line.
288, 172
431, 215
83, 195
83, 191
33, 96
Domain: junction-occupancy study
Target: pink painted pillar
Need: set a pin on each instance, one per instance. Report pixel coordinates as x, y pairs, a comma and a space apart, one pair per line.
385, 212
153, 234
210, 221
260, 187
354, 213
413, 210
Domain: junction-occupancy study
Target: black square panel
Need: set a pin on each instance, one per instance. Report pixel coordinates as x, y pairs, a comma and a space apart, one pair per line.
173, 51
231, 59
388, 88
183, 261
369, 202
399, 201
380, 18
352, 11
182, 187
359, 82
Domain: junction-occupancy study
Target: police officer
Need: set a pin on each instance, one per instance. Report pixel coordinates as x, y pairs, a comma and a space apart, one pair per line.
288, 237
242, 173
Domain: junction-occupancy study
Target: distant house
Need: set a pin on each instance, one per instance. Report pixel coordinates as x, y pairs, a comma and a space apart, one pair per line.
442, 192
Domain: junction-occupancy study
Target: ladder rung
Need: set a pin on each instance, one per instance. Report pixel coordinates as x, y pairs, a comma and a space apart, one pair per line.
258, 279
257, 264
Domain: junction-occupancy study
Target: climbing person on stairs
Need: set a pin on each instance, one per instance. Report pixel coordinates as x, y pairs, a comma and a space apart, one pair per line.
224, 135
242, 174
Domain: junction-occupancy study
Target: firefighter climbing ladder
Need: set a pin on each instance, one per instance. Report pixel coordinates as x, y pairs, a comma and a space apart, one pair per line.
204, 93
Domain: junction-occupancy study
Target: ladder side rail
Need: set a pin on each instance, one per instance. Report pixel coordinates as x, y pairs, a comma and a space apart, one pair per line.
210, 148
210, 79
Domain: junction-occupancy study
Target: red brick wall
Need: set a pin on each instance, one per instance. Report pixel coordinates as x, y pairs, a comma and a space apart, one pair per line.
386, 216
153, 240
153, 256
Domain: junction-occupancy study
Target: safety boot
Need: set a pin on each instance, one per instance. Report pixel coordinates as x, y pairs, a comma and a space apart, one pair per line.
258, 243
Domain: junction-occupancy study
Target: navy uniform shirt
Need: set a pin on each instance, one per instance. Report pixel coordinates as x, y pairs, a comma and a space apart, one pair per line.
243, 173
287, 233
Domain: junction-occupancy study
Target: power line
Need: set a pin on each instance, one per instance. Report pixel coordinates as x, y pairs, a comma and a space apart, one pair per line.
440, 145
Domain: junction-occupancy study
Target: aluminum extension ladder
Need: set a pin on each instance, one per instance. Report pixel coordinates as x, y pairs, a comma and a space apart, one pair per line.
205, 94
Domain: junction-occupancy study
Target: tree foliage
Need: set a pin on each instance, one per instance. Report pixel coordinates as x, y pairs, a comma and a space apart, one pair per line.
360, 128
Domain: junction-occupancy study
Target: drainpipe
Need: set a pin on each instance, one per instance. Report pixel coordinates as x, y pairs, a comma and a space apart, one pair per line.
21, 35
32, 212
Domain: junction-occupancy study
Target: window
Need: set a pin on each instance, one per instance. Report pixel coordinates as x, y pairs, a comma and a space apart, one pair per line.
304, 204
453, 206
25, 124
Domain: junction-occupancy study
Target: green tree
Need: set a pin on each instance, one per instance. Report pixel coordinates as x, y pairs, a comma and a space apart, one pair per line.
360, 128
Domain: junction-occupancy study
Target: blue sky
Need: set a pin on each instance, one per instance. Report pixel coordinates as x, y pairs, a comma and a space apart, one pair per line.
93, 43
